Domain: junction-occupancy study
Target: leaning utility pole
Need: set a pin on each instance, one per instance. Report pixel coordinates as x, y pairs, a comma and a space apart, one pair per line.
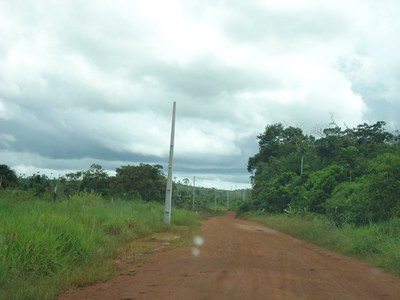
168, 192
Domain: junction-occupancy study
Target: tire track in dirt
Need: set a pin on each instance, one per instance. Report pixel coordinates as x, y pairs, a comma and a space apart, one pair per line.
244, 260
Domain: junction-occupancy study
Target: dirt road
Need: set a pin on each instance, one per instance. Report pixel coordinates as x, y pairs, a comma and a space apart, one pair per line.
243, 260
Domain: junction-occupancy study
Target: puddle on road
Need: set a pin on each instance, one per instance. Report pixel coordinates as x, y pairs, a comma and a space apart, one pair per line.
256, 228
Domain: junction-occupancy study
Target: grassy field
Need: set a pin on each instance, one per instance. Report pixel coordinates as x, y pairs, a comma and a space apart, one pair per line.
47, 247
378, 244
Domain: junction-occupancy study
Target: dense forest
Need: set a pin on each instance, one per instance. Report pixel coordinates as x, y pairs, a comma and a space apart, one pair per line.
351, 175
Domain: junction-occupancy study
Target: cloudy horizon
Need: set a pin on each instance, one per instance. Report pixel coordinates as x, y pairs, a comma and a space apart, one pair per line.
85, 82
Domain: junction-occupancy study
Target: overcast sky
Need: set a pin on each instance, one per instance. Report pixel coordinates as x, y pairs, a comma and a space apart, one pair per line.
92, 81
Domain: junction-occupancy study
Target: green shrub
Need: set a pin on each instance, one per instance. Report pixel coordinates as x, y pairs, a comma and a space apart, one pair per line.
384, 187
347, 204
321, 184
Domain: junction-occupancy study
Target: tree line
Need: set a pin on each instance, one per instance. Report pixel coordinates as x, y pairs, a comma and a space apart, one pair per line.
351, 175
144, 181
131, 182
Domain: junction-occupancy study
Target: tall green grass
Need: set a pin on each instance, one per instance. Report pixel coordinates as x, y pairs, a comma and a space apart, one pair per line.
46, 247
377, 243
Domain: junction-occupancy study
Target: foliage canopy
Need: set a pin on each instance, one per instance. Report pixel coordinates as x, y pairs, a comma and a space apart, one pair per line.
351, 175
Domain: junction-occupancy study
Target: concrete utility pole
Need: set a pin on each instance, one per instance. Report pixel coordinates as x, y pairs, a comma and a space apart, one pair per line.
168, 192
194, 189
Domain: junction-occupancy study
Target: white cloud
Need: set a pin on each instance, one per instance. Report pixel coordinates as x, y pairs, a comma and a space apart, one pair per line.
205, 138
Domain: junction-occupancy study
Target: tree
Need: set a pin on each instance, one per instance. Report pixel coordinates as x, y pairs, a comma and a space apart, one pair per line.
268, 145
39, 183
350, 174
350, 158
186, 181
328, 147
373, 140
8, 178
95, 179
320, 186
384, 186
278, 193
372, 134
279, 142
144, 180
72, 183
348, 203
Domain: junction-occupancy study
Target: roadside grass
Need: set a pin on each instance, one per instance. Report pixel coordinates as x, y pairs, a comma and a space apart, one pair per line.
377, 243
46, 247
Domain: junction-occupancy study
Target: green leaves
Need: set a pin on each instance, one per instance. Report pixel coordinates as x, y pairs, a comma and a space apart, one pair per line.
352, 175
8, 178
144, 181
384, 186
95, 179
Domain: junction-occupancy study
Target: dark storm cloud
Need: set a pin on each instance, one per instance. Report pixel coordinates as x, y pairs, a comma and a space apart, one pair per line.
263, 23
207, 77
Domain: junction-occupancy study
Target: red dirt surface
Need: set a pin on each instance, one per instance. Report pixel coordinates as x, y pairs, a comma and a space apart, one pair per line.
244, 260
